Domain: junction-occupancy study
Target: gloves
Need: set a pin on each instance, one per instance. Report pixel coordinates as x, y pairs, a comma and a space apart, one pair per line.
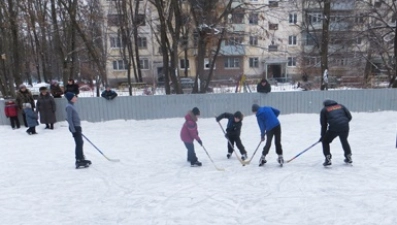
321, 139
217, 120
200, 142
226, 136
263, 138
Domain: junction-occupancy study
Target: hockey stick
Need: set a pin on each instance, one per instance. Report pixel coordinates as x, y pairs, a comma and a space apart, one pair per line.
213, 163
311, 146
112, 160
231, 145
249, 161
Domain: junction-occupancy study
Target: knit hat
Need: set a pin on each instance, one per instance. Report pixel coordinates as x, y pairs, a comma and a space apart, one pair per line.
43, 89
255, 107
22, 86
196, 111
239, 115
69, 95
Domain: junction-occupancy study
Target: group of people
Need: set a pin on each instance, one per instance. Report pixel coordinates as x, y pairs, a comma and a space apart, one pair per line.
334, 120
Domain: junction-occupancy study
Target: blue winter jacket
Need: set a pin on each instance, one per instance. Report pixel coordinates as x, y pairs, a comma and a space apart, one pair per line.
31, 117
267, 118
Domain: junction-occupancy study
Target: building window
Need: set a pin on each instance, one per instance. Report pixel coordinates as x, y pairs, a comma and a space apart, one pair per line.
253, 40
114, 20
292, 61
115, 42
254, 62
184, 63
233, 41
273, 26
273, 4
142, 42
359, 18
272, 48
293, 18
359, 41
120, 65
144, 64
292, 40
310, 39
238, 17
140, 20
231, 62
315, 18
253, 19
207, 64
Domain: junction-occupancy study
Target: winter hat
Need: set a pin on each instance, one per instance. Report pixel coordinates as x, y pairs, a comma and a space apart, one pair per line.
22, 86
69, 95
239, 115
255, 107
196, 111
43, 89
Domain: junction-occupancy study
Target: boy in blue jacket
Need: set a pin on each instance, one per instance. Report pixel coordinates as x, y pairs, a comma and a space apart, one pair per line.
233, 131
269, 126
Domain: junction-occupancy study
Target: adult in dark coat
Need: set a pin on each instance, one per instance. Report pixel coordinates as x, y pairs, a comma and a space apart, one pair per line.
72, 87
109, 94
46, 107
263, 86
56, 90
334, 119
23, 95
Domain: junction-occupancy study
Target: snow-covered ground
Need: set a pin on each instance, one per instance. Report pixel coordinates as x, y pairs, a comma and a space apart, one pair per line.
153, 183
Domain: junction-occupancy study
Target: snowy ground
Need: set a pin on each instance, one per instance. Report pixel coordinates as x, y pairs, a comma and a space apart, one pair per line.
153, 183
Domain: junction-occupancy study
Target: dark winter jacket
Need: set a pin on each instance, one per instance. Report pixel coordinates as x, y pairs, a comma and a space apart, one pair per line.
46, 107
189, 130
24, 97
31, 117
56, 90
267, 119
74, 88
263, 89
109, 95
335, 117
11, 109
233, 128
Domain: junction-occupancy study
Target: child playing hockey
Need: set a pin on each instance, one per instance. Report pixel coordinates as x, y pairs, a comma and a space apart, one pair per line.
75, 128
233, 131
31, 118
269, 126
11, 111
189, 133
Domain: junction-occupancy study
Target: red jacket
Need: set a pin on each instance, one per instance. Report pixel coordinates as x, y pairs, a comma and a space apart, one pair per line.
189, 129
11, 109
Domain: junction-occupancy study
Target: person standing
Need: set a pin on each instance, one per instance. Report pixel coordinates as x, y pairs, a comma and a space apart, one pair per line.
189, 132
11, 111
72, 87
24, 96
46, 107
31, 118
75, 128
263, 86
270, 126
334, 120
233, 131
56, 90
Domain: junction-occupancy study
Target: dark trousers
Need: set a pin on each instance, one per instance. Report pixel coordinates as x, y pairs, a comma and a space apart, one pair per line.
24, 119
49, 126
31, 130
14, 121
191, 154
239, 145
331, 135
78, 139
276, 132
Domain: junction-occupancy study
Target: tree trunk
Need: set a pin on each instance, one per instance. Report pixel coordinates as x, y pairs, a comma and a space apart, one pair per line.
325, 40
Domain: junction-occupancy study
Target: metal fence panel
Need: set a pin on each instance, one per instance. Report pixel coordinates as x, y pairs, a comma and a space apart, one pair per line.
168, 106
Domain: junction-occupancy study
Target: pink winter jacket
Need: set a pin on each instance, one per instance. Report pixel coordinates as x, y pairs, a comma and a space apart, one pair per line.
189, 129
